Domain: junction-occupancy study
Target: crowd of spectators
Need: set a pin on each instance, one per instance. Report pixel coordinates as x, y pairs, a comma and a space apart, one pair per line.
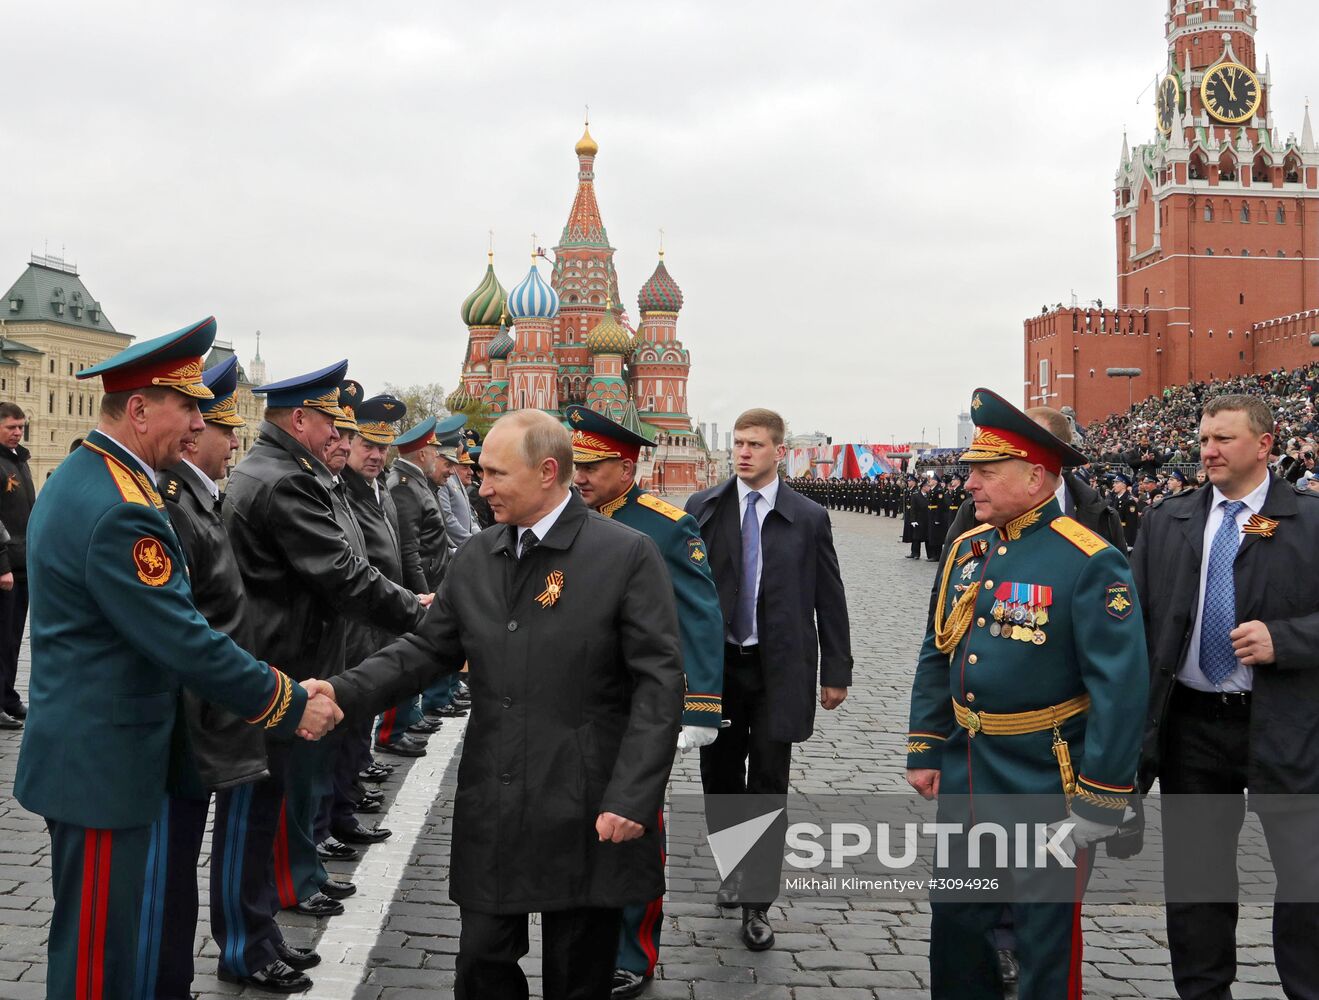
1164, 429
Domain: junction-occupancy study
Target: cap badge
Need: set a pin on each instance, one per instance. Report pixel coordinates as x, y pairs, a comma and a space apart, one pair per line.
549, 597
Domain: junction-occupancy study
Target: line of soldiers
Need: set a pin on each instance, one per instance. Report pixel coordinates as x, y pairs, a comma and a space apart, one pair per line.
312, 559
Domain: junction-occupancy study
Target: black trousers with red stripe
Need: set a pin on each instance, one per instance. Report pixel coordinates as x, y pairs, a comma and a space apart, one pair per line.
963, 957
98, 878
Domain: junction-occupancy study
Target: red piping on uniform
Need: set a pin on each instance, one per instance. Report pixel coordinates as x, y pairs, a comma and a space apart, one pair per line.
85, 912
387, 725
283, 874
1074, 965
102, 909
653, 910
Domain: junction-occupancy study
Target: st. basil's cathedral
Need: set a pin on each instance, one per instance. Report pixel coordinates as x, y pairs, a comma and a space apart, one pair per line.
543, 346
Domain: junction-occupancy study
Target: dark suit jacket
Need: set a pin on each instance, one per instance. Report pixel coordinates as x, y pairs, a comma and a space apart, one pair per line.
801, 591
576, 706
1275, 584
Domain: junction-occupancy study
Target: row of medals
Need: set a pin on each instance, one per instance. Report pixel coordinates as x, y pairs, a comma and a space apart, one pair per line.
1020, 622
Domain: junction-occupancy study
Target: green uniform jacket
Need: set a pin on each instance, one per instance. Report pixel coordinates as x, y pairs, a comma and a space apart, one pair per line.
115, 634
700, 621
1094, 643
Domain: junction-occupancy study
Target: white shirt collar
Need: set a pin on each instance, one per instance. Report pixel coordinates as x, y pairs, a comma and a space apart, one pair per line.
770, 492
207, 480
543, 526
151, 473
1254, 500
1060, 494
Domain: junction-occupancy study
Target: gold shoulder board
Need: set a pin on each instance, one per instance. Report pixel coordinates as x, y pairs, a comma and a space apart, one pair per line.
661, 506
1079, 535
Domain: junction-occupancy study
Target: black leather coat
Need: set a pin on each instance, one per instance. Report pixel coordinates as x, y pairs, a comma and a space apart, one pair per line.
378, 522
422, 540
224, 749
576, 706
17, 495
301, 573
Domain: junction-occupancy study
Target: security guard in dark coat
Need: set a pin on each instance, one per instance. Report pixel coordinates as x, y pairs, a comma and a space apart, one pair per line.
108, 663
304, 582
568, 622
1128, 511
17, 495
916, 518
1053, 713
1230, 614
605, 454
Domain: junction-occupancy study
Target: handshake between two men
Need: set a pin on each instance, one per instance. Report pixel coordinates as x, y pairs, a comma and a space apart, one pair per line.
322, 713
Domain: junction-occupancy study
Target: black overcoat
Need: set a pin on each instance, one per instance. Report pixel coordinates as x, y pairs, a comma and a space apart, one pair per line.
1275, 584
576, 707
801, 611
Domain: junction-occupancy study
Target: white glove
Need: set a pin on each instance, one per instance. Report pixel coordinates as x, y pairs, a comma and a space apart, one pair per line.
692, 737
1084, 832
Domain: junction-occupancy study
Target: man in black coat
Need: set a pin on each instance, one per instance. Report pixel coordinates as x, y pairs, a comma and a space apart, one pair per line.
225, 754
304, 581
916, 517
568, 622
776, 571
1231, 608
17, 495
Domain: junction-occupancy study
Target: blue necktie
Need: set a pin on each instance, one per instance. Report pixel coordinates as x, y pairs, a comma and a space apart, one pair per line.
744, 618
1217, 661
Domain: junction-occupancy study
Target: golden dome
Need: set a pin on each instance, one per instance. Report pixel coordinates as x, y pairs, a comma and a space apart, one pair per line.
586, 146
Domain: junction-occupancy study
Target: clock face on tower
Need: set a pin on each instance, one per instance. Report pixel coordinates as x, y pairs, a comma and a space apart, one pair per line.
1167, 101
1231, 93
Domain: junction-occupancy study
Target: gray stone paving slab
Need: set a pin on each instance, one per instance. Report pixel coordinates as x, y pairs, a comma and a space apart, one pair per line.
832, 948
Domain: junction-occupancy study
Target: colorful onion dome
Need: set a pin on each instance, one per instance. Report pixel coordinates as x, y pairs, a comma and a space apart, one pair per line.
485, 305
660, 293
501, 347
609, 337
586, 146
459, 400
532, 298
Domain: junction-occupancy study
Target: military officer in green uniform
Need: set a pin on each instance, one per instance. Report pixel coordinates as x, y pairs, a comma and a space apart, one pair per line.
115, 635
1031, 682
605, 459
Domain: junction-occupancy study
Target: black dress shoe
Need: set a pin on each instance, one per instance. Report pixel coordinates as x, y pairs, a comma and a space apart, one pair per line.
454, 711
1008, 969
320, 905
381, 765
405, 747
757, 934
330, 849
373, 795
433, 713
362, 835
277, 977
19, 711
338, 890
373, 775
424, 727
368, 806
296, 958
627, 984
7, 721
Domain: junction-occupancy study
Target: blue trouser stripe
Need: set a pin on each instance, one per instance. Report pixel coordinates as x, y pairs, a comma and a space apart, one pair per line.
153, 909
236, 840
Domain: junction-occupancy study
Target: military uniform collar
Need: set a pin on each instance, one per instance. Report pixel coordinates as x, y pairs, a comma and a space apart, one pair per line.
1031, 521
103, 444
619, 502
285, 441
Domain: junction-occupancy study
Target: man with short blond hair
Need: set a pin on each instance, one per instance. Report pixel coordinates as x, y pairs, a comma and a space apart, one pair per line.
785, 630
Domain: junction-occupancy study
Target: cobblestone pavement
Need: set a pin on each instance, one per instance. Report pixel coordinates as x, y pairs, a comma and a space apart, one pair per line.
398, 939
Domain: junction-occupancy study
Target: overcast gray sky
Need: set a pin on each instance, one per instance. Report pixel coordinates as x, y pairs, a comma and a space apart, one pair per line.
862, 201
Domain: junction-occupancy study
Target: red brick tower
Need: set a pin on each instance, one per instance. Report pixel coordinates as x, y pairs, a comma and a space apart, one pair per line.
660, 364
1217, 225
